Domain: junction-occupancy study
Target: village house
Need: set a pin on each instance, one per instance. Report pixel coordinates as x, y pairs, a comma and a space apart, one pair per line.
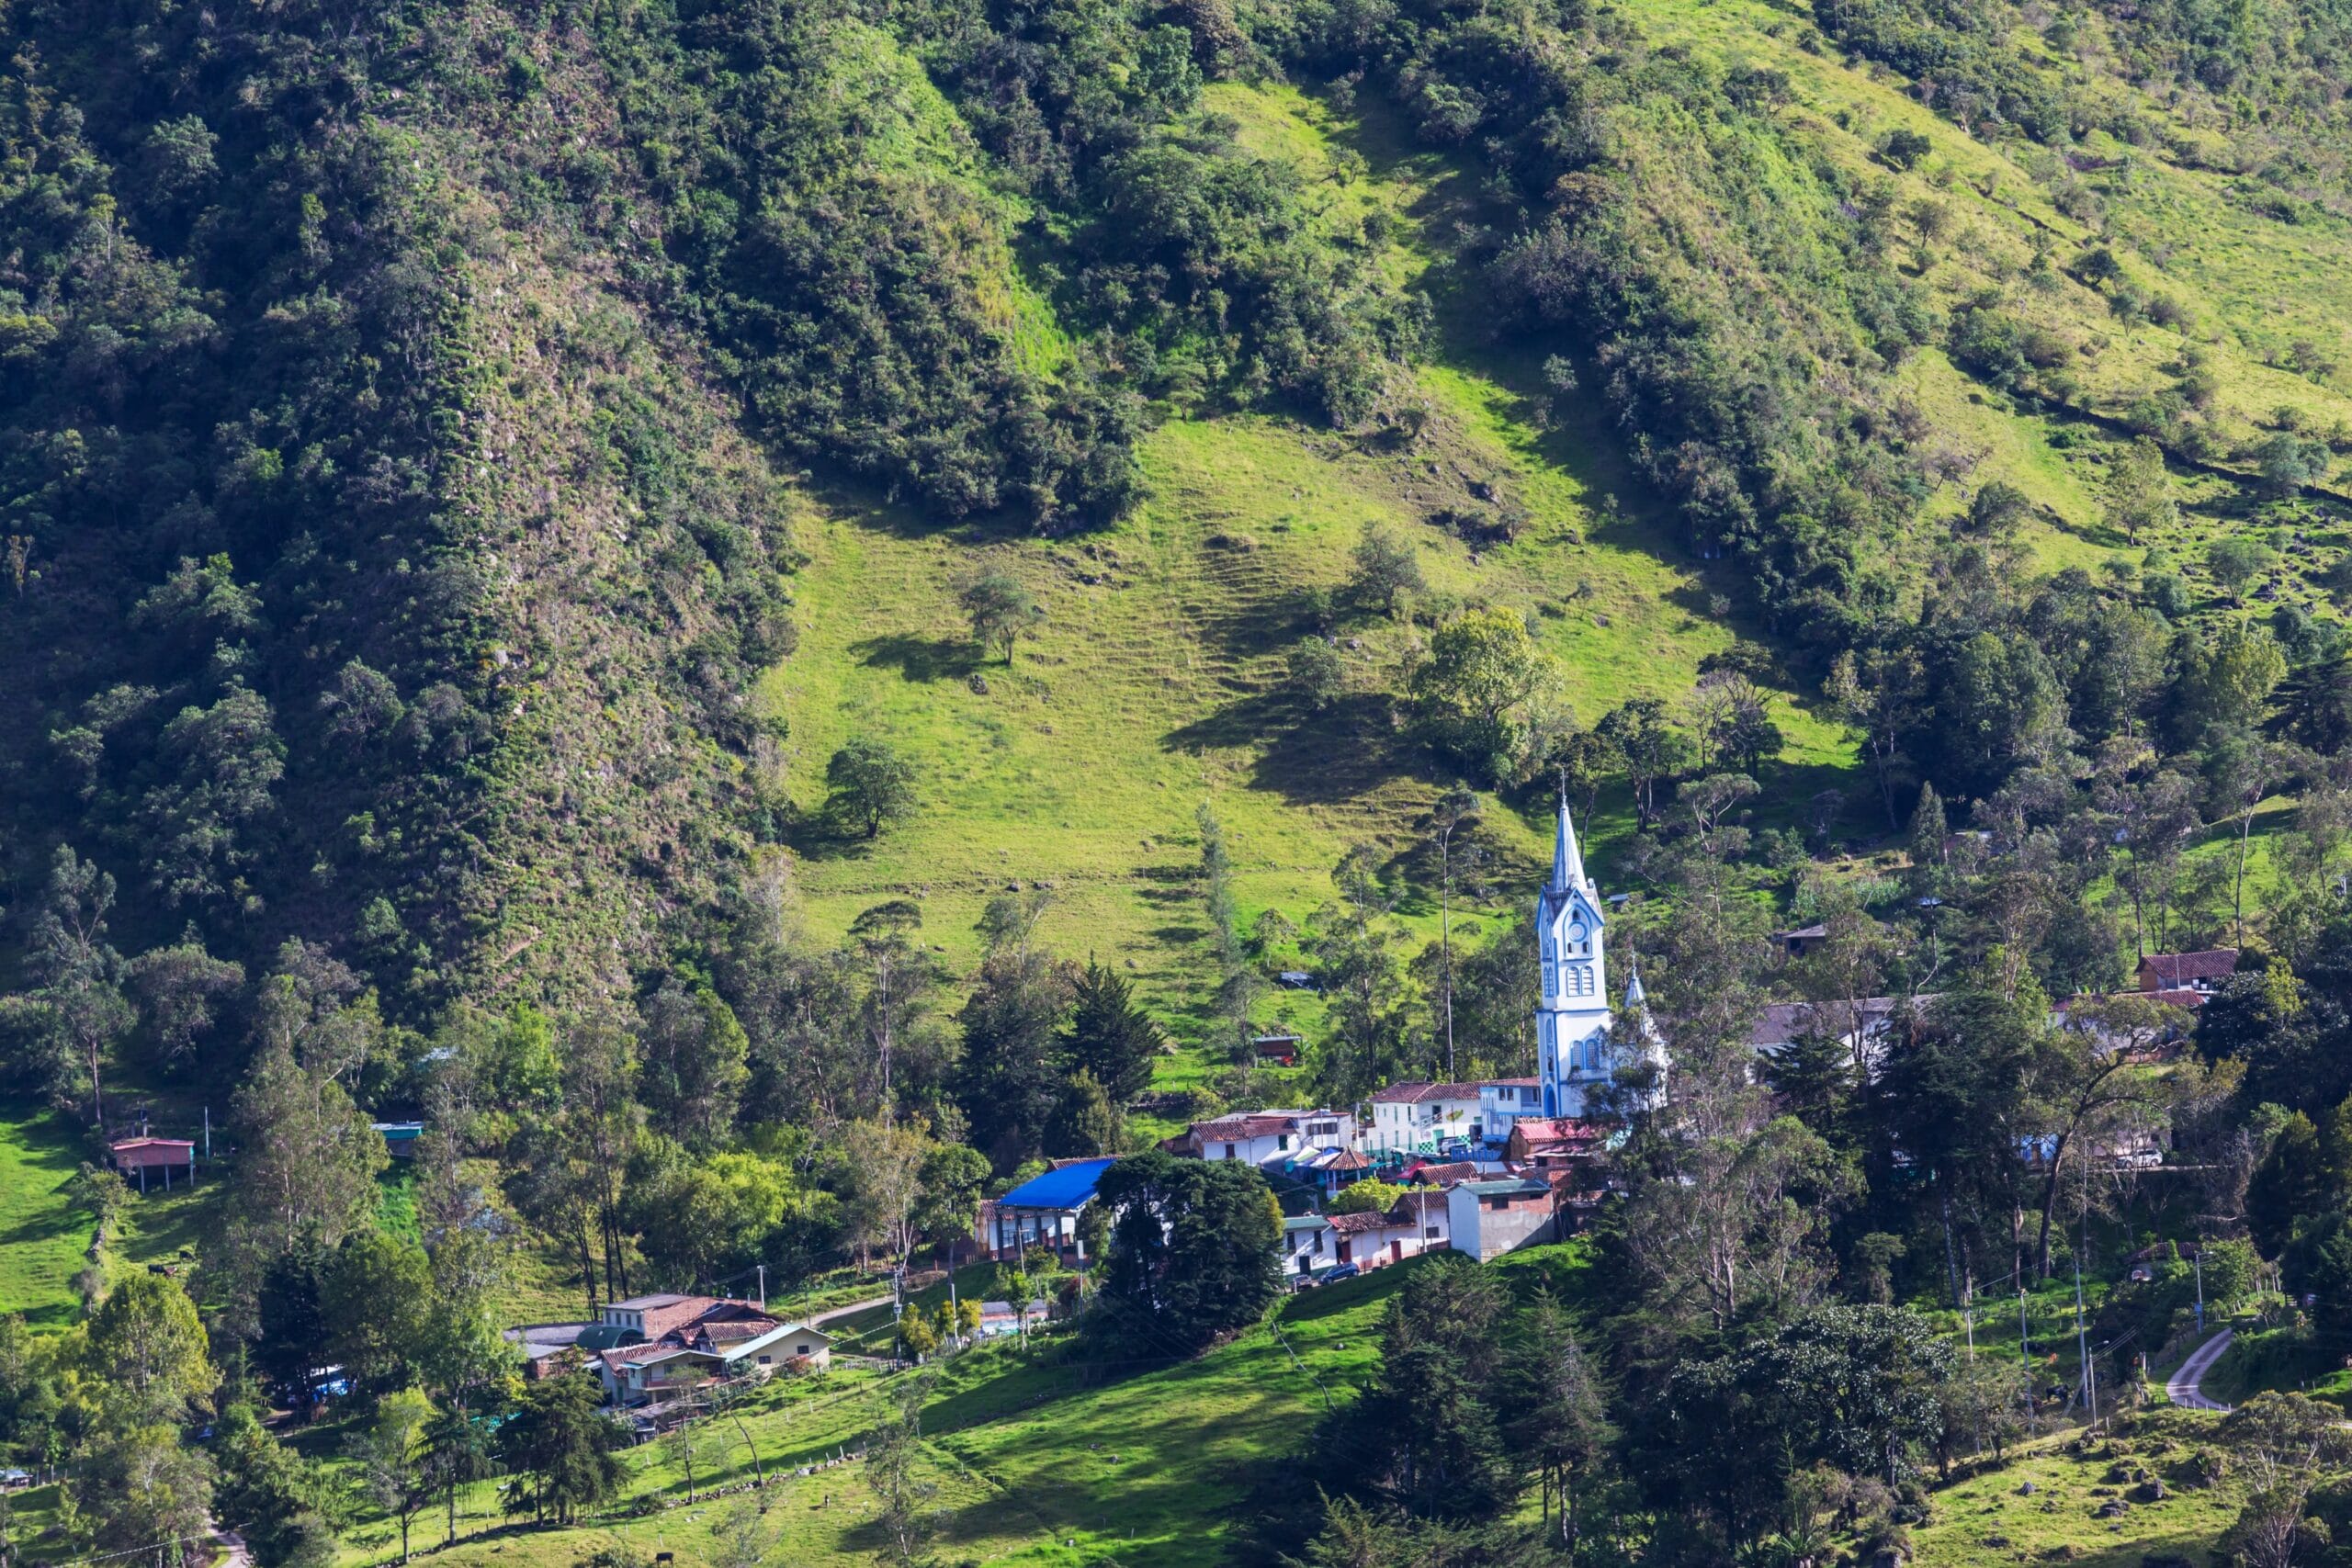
1042, 1210
1327, 1167
1539, 1145
1425, 1217
653, 1347
1445, 1173
1307, 1244
399, 1137
1862, 1024
1503, 1101
1422, 1117
1487, 1219
1267, 1139
2186, 979
1000, 1320
697, 1355
1802, 939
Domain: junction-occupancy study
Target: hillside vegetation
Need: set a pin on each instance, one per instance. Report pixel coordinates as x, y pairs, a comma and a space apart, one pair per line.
769, 615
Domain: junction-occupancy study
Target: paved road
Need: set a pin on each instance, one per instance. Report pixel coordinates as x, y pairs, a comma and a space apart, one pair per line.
823, 1318
2181, 1387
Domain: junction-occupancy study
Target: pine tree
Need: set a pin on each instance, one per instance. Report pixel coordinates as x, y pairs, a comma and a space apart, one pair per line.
1813, 1076
1110, 1037
1558, 1421
1929, 831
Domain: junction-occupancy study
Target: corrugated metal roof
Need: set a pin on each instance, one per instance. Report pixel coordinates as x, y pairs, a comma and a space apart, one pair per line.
1066, 1187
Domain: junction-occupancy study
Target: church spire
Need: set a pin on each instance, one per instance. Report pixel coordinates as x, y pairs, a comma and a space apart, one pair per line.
1567, 862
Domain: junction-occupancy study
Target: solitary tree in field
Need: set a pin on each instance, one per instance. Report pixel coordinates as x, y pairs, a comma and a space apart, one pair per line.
1001, 609
1385, 569
873, 785
395, 1459
2139, 493
2236, 562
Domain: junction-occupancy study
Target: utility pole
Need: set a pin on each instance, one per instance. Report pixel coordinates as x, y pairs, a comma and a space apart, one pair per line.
2200, 1285
2082, 1339
763, 1285
2025, 1355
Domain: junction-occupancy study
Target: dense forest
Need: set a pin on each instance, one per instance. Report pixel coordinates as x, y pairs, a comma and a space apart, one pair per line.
532, 526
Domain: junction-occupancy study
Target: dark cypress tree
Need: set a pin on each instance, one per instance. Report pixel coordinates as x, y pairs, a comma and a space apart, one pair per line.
1559, 1422
1110, 1037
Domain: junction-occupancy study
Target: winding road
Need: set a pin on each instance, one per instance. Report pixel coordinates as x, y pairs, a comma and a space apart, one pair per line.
2181, 1387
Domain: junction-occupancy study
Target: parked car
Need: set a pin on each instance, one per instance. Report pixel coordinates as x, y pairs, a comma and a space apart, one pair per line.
1336, 1271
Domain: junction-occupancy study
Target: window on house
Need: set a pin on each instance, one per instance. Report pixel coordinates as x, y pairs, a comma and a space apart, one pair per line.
800, 1349
1322, 1129
1228, 1151
765, 1362
1282, 1141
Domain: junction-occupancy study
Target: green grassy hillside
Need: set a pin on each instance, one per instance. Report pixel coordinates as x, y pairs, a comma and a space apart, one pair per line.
1153, 684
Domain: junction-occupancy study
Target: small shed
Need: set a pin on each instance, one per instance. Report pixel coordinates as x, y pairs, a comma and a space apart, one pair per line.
1802, 939
161, 1155
399, 1137
1276, 1050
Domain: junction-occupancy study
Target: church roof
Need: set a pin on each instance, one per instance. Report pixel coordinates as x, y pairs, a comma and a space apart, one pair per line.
1568, 878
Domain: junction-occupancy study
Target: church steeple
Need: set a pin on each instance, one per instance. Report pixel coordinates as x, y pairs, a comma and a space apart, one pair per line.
1567, 861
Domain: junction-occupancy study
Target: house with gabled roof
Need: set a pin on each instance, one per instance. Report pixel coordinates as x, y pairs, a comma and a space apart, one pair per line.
2187, 978
1267, 1139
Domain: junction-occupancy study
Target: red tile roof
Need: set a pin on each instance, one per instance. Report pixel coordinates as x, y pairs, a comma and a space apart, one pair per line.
1237, 1129
1351, 1224
2174, 971
1444, 1175
1558, 1130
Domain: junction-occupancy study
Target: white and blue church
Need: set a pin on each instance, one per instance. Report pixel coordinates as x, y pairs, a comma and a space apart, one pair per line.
1574, 1052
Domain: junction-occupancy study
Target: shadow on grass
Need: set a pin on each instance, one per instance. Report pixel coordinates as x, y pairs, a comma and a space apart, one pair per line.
922, 659
1347, 749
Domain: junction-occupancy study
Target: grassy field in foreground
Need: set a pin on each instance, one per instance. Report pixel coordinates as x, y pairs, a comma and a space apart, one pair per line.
1031, 1450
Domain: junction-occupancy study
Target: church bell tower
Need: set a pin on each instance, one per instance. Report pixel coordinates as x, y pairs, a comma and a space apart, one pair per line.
1572, 1015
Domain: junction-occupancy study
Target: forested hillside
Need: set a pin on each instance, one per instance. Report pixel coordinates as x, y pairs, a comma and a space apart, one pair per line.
766, 613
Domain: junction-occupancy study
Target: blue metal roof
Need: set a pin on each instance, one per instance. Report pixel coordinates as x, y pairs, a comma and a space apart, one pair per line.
1066, 1187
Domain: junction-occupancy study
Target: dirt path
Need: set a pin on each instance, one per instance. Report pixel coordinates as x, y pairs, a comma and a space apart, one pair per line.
2181, 1387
